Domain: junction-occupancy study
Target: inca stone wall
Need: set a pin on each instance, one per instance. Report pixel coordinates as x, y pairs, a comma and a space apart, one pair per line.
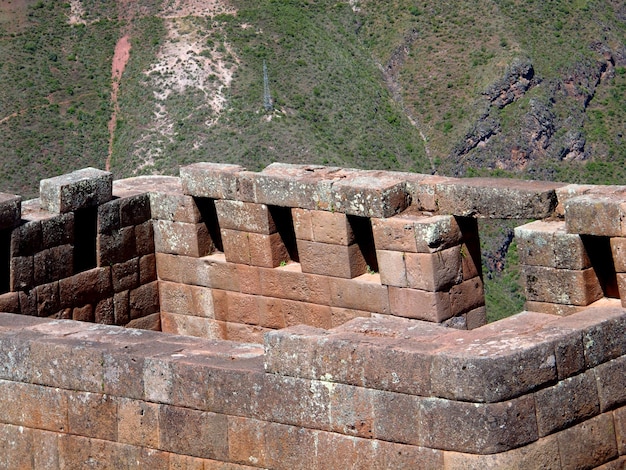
317, 317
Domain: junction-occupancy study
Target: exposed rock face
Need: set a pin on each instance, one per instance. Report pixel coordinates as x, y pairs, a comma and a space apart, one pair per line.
516, 81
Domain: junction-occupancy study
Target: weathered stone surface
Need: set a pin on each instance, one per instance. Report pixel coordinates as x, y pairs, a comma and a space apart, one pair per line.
618, 248
588, 444
546, 243
497, 198
53, 264
85, 287
331, 260
245, 217
58, 230
182, 238
611, 382
82, 188
10, 210
92, 415
135, 210
144, 300
147, 322
420, 304
10, 302
180, 324
212, 180
596, 215
138, 422
125, 275
561, 286
175, 207
392, 268
27, 239
434, 271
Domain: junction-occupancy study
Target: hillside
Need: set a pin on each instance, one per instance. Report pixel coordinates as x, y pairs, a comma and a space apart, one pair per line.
490, 87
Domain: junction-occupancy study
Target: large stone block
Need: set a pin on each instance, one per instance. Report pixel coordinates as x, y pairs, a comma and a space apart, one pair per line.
497, 198
561, 286
434, 271
289, 282
82, 188
331, 227
611, 381
138, 423
175, 207
212, 180
596, 215
618, 248
10, 210
58, 230
117, 246
27, 239
245, 217
53, 264
392, 268
88, 286
92, 415
144, 300
182, 238
419, 304
546, 243
588, 444
361, 293
135, 210
344, 261
179, 324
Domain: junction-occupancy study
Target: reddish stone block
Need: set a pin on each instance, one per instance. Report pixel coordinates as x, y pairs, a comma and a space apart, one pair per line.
475, 318
434, 271
22, 275
48, 302
289, 447
392, 268
121, 308
53, 264
175, 298
45, 449
245, 217
243, 333
138, 423
236, 246
144, 300
84, 313
395, 233
92, 415
144, 238
339, 316
588, 444
86, 287
27, 239
453, 425
34, 406
396, 417
246, 441
561, 310
242, 308
561, 286
17, 447
58, 230
276, 312
288, 282
332, 228
28, 302
188, 325
543, 453
182, 238
267, 251
10, 302
331, 260
125, 275
596, 215
467, 296
618, 247
420, 304
202, 302
104, 312
174, 207
72, 191
360, 294
569, 401
10, 210
220, 304
147, 269
249, 279
611, 381
302, 223
195, 433
619, 418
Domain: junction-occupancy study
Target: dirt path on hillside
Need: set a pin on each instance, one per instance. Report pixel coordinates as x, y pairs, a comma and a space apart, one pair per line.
120, 59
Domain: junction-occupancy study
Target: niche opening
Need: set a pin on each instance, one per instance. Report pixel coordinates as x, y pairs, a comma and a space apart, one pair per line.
599, 252
5, 261
85, 235
284, 226
206, 206
364, 238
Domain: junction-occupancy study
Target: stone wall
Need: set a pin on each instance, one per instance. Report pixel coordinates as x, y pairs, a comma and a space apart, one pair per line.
312, 310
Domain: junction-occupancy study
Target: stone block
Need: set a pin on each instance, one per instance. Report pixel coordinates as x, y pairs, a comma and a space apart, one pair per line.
249, 279
22, 274
195, 433
245, 217
48, 301
236, 246
148, 322
138, 423
242, 308
619, 417
561, 310
477, 428
182, 238
546, 243
121, 308
302, 223
108, 217
396, 233
147, 269
144, 238
568, 402
211, 271
174, 207
34, 406
396, 417
369, 193
45, 449
267, 251
278, 313
116, 247
596, 215
104, 312
246, 441
434, 271
344, 261
53, 264
135, 210
611, 381
243, 333
92, 415
292, 446
125, 275
10, 210
436, 233
213, 180
179, 324
82, 188
475, 318
28, 302
339, 316
392, 268
467, 296
84, 313
144, 300
360, 293
588, 444
618, 248
17, 446
419, 304
58, 230
561, 286
288, 282
175, 298
496, 198
27, 239
10, 302
85, 287
331, 227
